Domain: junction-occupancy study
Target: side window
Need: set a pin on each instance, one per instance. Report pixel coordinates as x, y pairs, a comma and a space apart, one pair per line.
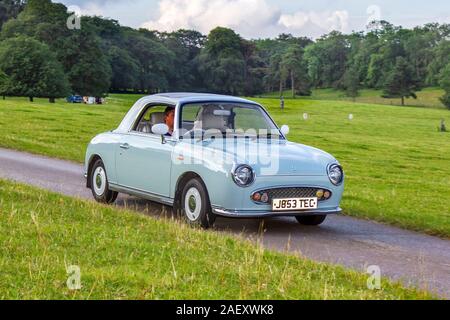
151, 116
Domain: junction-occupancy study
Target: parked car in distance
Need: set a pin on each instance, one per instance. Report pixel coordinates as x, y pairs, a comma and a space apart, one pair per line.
224, 156
75, 99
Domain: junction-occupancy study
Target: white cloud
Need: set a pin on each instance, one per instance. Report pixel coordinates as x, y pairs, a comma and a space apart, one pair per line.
92, 9
248, 17
327, 21
130, 13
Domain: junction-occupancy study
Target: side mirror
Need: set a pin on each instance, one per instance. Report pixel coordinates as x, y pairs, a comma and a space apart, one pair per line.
160, 129
285, 130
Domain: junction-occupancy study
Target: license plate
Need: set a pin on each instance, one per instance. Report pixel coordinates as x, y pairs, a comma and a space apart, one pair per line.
294, 204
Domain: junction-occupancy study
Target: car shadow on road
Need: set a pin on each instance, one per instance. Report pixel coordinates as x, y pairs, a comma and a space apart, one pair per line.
281, 226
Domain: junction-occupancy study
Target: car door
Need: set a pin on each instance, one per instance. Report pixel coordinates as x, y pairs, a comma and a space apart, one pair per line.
144, 162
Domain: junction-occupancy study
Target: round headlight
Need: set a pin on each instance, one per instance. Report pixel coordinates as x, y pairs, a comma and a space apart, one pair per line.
336, 174
243, 175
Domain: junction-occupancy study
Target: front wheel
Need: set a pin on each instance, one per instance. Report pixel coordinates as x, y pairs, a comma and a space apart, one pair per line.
195, 205
99, 184
311, 220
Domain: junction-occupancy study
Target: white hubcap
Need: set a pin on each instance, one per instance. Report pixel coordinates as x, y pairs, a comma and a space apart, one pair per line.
99, 181
193, 204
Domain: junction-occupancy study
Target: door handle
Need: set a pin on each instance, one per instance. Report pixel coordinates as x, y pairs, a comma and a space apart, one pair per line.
125, 146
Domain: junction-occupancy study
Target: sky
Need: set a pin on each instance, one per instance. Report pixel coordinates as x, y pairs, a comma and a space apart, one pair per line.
265, 18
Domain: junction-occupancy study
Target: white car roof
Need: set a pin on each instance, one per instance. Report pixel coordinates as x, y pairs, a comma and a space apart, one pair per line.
186, 97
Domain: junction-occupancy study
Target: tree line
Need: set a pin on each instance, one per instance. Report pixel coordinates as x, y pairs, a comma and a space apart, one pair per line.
41, 57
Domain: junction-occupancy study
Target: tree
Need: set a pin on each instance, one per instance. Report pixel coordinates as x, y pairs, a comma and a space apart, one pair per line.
375, 71
125, 70
445, 84
273, 78
327, 59
221, 62
401, 83
254, 68
42, 20
80, 52
440, 58
294, 67
351, 82
185, 45
4, 83
10, 9
87, 66
32, 69
419, 50
156, 62
271, 53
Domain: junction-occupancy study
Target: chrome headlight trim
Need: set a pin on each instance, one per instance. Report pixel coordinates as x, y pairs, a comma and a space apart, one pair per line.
238, 181
333, 166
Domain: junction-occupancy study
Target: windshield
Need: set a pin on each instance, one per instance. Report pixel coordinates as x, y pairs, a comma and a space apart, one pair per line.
229, 119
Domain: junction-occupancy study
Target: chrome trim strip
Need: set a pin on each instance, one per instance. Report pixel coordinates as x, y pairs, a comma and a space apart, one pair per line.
261, 214
142, 194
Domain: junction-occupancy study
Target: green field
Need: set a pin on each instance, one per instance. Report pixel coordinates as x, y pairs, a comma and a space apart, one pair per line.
428, 97
124, 255
395, 159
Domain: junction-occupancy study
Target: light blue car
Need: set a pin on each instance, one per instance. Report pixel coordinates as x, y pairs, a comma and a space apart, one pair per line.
212, 155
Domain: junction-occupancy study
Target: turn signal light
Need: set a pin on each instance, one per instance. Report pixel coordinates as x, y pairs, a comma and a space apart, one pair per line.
319, 193
256, 196
327, 195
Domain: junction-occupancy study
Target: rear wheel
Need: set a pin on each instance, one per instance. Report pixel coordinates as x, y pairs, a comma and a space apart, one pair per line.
195, 206
311, 220
99, 184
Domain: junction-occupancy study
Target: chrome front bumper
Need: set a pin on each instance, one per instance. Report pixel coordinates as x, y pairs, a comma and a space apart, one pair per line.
265, 214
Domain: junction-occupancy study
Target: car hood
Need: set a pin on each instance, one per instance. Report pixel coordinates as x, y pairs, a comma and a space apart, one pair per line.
273, 157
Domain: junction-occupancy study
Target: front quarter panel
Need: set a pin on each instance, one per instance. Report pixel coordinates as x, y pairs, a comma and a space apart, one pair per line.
190, 156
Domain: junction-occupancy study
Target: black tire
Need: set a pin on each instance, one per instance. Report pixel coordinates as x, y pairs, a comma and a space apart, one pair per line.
311, 220
195, 206
99, 184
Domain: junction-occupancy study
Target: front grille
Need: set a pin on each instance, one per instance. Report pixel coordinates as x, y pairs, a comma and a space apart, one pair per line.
295, 192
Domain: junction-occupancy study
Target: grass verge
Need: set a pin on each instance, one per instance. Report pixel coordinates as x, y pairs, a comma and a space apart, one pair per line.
122, 255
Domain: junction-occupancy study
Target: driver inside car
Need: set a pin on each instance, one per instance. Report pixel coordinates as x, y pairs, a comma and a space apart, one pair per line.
169, 119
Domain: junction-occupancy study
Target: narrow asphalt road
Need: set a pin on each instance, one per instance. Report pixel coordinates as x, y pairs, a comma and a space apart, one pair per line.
411, 257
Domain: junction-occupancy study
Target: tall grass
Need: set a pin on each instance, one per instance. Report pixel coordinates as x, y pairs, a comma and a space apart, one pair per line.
122, 255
